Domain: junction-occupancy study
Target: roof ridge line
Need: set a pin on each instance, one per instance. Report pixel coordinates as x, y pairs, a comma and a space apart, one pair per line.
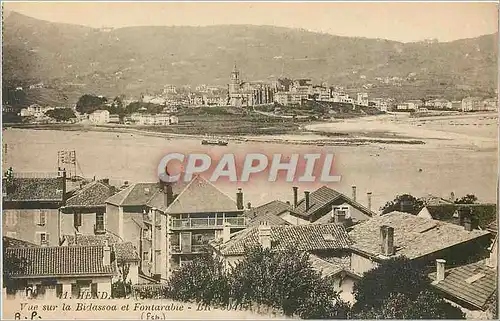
130, 188
179, 196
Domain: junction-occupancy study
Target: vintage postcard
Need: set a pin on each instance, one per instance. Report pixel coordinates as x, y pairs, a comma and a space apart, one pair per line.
249, 160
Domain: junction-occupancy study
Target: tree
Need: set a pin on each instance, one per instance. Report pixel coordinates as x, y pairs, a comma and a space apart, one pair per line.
286, 281
61, 114
403, 203
403, 291
467, 199
203, 280
89, 103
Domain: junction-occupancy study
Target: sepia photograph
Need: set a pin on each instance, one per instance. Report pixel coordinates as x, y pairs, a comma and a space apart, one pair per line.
250, 160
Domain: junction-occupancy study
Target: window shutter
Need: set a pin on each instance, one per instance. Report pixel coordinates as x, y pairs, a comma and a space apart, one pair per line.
47, 238
36, 217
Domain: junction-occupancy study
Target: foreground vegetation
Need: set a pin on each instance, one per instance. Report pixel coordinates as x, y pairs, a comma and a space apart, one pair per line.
286, 283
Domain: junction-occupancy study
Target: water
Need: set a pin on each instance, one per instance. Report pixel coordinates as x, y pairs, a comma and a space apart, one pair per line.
384, 170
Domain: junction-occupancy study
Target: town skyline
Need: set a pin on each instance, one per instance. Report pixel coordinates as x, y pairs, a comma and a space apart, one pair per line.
403, 22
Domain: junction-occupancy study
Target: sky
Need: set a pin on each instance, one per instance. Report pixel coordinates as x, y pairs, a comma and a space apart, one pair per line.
405, 22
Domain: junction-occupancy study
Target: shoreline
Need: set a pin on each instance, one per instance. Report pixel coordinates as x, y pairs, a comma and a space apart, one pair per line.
323, 139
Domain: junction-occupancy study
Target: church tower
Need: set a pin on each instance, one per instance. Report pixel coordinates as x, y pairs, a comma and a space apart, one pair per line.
234, 84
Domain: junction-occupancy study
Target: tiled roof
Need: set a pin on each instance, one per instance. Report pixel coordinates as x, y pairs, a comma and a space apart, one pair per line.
473, 283
35, 189
434, 200
124, 251
324, 196
268, 213
141, 194
61, 261
274, 207
91, 195
12, 242
134, 195
484, 213
413, 236
312, 237
329, 267
89, 239
201, 196
269, 218
159, 201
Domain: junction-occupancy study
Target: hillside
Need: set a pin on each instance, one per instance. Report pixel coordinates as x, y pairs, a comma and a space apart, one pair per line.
138, 59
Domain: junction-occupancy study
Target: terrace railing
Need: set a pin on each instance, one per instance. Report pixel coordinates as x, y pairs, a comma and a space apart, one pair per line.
204, 223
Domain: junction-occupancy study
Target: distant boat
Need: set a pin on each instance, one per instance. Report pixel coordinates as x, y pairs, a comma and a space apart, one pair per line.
219, 142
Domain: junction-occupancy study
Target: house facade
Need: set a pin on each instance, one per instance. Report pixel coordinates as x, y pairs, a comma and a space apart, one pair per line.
327, 246
322, 205
30, 206
85, 211
99, 117
63, 275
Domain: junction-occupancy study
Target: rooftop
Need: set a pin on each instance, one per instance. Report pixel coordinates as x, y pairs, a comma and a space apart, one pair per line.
312, 237
140, 194
93, 194
331, 266
124, 251
484, 213
324, 196
13, 242
414, 236
473, 283
61, 261
202, 196
34, 189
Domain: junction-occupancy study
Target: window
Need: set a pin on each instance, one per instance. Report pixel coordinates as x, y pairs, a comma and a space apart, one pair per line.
11, 218
99, 221
42, 218
145, 256
44, 238
77, 219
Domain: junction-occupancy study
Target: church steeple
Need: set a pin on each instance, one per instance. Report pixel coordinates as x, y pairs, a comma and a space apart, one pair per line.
235, 80
235, 74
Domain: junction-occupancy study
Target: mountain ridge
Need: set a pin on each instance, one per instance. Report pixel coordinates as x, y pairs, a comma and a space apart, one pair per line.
138, 59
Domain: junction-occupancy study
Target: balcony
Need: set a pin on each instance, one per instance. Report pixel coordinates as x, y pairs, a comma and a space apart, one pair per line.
99, 229
207, 223
195, 249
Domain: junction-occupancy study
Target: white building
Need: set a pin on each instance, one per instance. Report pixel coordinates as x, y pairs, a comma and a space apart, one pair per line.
362, 99
154, 120
99, 117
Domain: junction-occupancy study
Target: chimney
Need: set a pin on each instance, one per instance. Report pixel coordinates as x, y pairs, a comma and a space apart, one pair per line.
369, 195
249, 205
306, 194
226, 233
105, 181
168, 194
295, 196
387, 240
106, 259
239, 199
265, 235
440, 269
339, 217
354, 193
